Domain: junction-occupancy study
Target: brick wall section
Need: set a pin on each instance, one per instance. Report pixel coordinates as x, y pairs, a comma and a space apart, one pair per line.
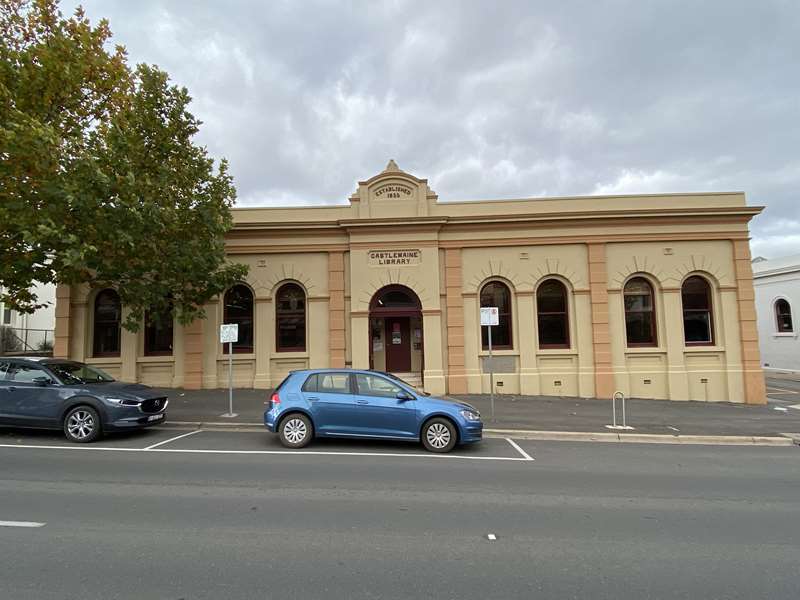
336, 309
63, 309
193, 355
598, 290
456, 380
754, 386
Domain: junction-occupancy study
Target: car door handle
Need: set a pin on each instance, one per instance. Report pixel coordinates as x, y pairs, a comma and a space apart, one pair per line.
12, 389
313, 399
362, 401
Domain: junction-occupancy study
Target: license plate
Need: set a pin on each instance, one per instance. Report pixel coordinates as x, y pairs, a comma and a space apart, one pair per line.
155, 417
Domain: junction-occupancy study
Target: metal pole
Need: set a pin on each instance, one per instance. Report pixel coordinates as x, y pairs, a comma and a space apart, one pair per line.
614, 410
491, 372
624, 422
230, 378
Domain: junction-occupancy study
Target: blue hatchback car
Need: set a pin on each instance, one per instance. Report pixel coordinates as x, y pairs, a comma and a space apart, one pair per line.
366, 404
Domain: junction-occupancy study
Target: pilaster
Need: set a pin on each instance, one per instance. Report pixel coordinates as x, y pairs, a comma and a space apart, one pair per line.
754, 385
601, 339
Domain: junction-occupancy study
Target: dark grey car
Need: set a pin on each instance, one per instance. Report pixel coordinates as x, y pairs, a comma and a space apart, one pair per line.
49, 393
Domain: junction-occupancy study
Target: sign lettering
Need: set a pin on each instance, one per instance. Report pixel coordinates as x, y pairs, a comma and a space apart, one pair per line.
394, 258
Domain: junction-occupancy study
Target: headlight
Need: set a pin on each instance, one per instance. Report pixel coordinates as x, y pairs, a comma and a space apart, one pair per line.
471, 415
122, 402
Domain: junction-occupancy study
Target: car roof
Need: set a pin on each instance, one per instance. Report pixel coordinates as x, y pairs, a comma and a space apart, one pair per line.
331, 370
30, 358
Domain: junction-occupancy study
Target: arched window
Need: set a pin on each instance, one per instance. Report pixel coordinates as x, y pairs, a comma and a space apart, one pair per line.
783, 314
640, 313
107, 318
239, 309
552, 314
496, 294
698, 318
290, 319
158, 332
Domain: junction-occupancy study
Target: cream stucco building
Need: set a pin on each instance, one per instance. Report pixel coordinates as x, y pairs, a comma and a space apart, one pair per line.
651, 295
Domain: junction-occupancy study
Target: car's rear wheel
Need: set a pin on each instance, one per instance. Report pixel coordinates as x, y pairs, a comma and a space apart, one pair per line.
296, 431
82, 425
439, 435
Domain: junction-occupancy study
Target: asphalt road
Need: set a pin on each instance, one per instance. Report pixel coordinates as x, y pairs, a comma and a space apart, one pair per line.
230, 515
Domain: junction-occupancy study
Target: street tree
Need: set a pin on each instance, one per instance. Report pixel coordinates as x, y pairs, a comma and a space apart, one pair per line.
101, 181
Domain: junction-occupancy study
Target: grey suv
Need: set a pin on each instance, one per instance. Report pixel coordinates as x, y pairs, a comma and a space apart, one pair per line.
49, 393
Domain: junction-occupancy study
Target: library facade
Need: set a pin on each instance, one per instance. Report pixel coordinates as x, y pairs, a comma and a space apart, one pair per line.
650, 295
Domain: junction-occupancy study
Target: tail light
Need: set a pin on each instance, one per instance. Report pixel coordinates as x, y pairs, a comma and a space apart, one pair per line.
275, 399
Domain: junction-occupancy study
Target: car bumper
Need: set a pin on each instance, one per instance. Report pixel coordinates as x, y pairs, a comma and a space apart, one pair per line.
471, 432
270, 419
136, 422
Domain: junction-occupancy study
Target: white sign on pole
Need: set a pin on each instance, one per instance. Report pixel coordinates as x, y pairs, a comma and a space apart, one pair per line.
490, 315
229, 333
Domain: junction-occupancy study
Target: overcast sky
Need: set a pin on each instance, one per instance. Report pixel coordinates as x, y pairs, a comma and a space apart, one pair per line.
489, 99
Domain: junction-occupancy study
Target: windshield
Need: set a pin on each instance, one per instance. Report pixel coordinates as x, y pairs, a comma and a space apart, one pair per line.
78, 373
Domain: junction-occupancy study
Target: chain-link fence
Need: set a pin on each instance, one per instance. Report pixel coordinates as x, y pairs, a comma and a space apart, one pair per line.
15, 340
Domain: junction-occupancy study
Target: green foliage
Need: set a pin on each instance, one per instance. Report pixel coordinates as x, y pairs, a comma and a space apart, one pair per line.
100, 182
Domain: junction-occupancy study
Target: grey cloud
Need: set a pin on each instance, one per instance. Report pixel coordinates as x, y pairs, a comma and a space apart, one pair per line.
489, 99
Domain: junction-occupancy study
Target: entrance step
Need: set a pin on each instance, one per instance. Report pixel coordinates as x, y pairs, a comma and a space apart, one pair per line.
414, 379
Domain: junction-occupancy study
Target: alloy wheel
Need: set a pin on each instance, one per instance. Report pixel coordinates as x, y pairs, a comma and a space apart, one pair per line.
438, 435
295, 431
81, 424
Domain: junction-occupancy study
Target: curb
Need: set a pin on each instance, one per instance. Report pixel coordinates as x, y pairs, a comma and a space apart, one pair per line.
644, 438
785, 439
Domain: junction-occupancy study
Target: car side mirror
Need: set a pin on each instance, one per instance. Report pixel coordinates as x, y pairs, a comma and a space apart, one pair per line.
403, 396
42, 381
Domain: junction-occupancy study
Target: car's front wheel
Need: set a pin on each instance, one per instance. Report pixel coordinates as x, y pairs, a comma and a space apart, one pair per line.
296, 431
439, 435
82, 425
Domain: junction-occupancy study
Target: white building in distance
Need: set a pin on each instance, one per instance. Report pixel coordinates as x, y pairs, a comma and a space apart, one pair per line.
777, 291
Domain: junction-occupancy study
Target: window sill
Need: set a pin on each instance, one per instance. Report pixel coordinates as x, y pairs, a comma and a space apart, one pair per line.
645, 350
289, 355
236, 357
557, 352
511, 352
785, 334
96, 360
155, 358
703, 349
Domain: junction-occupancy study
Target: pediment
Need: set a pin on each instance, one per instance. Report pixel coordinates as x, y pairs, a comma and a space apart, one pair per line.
393, 192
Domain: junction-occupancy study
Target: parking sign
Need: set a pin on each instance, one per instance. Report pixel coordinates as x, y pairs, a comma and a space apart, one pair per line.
490, 315
229, 333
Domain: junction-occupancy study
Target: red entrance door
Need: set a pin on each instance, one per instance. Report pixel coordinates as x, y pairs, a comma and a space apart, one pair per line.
398, 345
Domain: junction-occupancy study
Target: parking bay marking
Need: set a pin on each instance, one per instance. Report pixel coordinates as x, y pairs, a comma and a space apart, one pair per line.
172, 439
277, 452
21, 524
520, 450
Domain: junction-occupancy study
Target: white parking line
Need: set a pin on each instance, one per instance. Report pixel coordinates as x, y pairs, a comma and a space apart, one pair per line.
177, 437
277, 452
21, 524
781, 390
520, 450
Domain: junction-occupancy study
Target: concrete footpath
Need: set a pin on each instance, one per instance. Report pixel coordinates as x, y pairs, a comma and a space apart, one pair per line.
555, 418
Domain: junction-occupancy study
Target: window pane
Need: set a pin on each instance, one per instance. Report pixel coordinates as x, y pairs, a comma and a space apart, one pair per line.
551, 297
497, 294
334, 383
290, 313
371, 385
311, 384
639, 328
107, 316
553, 330
158, 333
239, 310
697, 326
784, 315
25, 373
695, 293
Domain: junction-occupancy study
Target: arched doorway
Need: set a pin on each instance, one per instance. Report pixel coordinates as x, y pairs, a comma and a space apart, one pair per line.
395, 331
